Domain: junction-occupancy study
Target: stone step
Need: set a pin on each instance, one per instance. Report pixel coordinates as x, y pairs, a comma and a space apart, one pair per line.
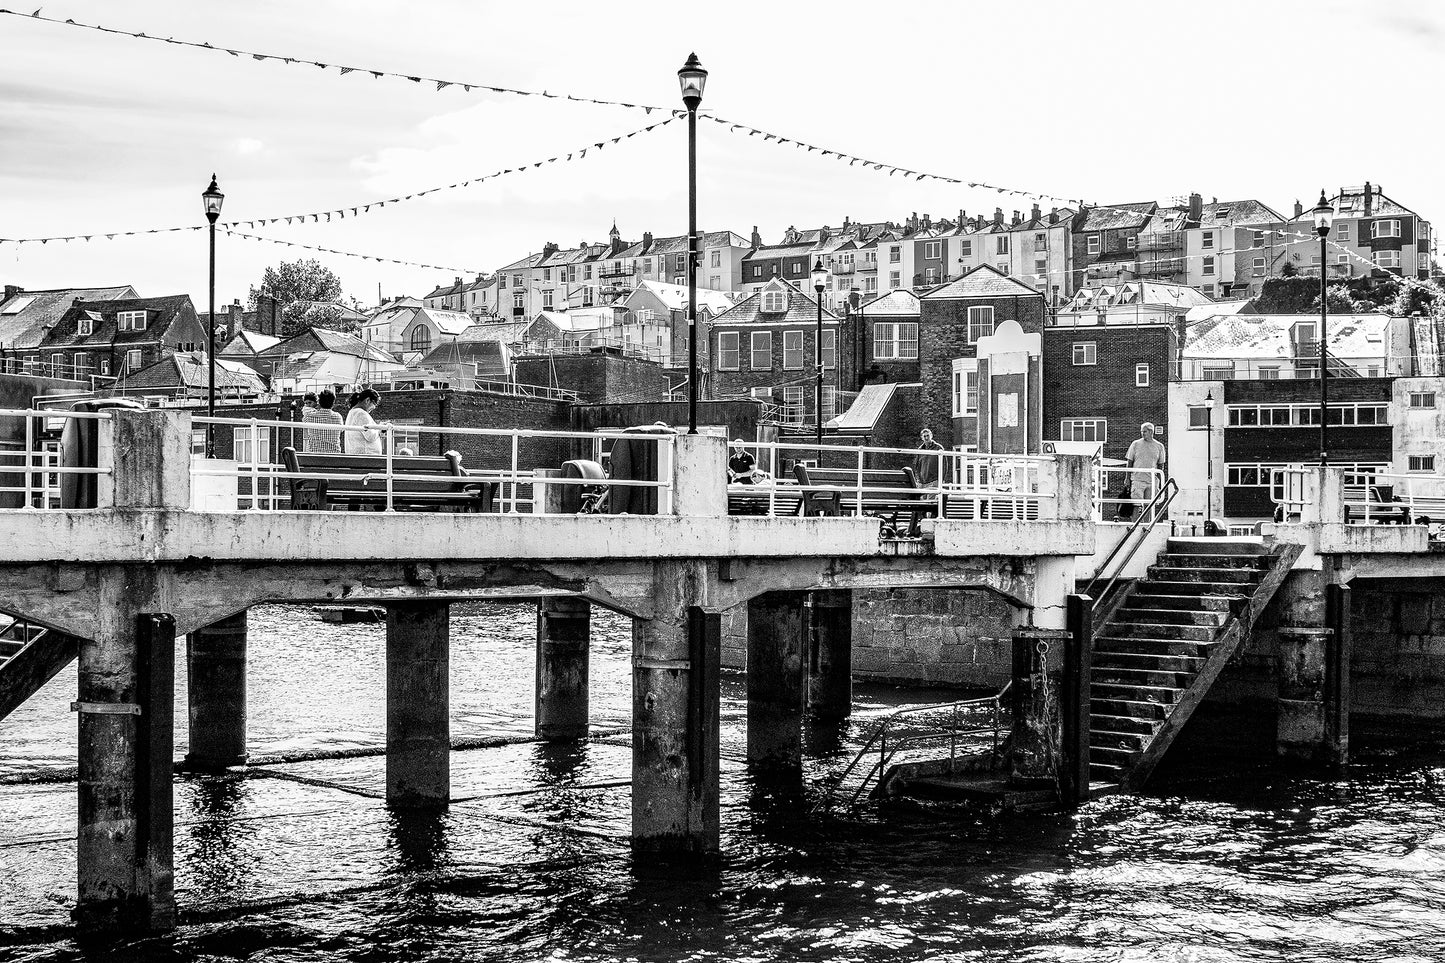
1149, 661
1141, 646
1103, 772
1142, 677
1213, 561
1133, 725
1184, 603
1108, 739
1156, 694
1175, 616
1214, 576
1204, 589
1216, 546
1113, 756
1151, 712
1158, 630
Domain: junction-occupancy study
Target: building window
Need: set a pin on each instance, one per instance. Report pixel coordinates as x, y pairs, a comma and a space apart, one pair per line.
893, 280
546, 274
1001, 244
1086, 352
1094, 244
1387, 228
1268, 373
1216, 371
547, 300
680, 261
85, 325
1041, 241
133, 360
728, 352
421, 338
894, 253
930, 275
1208, 268
82, 363
931, 249
792, 351
830, 350
980, 323
1418, 399
895, 341
1420, 463
774, 301
1083, 429
680, 280
516, 280
1257, 240
762, 351
251, 446
131, 320
1199, 416
1387, 260
757, 270
870, 285
1258, 266
1132, 242
1206, 240
965, 388
519, 301
965, 248
716, 259
105, 366
1141, 376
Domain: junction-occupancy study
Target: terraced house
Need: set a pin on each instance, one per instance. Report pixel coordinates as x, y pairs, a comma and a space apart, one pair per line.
118, 337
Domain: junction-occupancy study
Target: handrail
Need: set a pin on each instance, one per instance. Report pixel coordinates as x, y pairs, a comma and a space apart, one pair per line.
1155, 512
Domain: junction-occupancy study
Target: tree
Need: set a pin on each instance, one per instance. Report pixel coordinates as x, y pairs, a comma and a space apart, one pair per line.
307, 292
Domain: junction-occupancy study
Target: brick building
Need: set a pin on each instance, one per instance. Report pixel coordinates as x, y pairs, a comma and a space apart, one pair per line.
952, 320
123, 336
1104, 242
1106, 380
887, 338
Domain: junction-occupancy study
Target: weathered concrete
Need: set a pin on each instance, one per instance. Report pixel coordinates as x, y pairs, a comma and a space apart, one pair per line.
1034, 758
418, 723
1300, 726
124, 857
216, 695
563, 640
149, 456
777, 679
675, 661
700, 473
830, 655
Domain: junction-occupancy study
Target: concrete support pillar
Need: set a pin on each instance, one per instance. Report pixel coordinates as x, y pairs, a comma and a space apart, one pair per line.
777, 679
830, 655
124, 858
216, 695
1313, 723
418, 726
676, 656
563, 634
1337, 674
1078, 672
1035, 707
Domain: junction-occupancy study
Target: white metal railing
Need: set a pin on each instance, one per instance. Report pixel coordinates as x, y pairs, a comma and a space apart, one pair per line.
1366, 497
1290, 493
50, 369
1110, 485
954, 484
524, 391
32, 469
516, 484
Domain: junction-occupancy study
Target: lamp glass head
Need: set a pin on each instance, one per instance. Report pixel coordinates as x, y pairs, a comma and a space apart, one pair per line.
1324, 215
212, 197
820, 276
692, 78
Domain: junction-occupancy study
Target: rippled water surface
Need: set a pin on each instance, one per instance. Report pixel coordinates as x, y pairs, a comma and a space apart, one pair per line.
300, 861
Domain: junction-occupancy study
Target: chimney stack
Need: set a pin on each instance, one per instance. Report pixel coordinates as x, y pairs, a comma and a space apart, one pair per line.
1053, 215
1036, 214
1369, 199
927, 222
1299, 209
1196, 207
1018, 219
233, 326
998, 216
757, 240
11, 290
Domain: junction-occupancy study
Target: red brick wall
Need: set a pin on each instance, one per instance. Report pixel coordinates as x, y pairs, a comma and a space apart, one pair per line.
1107, 389
740, 382
597, 378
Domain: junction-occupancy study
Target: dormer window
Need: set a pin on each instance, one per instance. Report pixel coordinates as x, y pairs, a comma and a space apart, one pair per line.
130, 320
775, 301
85, 326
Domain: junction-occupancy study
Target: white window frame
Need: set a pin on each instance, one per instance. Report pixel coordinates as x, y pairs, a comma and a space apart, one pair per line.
1257, 239
1080, 429
547, 300
965, 388
932, 249
895, 254
763, 347
979, 317
1206, 241
965, 248
251, 449
1200, 418
134, 358
774, 301
1086, 353
1422, 399
895, 341
1207, 267
1094, 244
715, 259
1001, 244
1424, 464
82, 361
894, 280
130, 320
84, 326
1259, 265
1391, 227
1386, 260
1342, 231
729, 344
1141, 375
830, 350
792, 350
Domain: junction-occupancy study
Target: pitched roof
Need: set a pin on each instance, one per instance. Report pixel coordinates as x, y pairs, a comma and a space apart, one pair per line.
984, 281
160, 314
1267, 336
464, 352
780, 250
1117, 216
248, 342
1142, 293
322, 339
192, 371
1350, 202
674, 296
899, 303
1231, 213
26, 315
802, 309
447, 322
503, 332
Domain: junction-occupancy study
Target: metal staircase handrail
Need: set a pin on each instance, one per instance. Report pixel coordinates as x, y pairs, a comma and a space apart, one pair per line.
879, 737
1155, 512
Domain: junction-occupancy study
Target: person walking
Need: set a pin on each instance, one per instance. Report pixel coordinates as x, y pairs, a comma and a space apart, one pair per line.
1146, 454
324, 440
925, 467
363, 435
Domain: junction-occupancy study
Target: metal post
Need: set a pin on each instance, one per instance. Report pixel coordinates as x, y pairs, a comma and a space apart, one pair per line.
1209, 462
1078, 671
691, 269
818, 363
1324, 364
211, 352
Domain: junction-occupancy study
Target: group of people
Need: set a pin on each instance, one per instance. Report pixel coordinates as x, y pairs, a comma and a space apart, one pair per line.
362, 434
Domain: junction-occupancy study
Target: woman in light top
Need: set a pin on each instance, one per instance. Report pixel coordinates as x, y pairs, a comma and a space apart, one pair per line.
366, 441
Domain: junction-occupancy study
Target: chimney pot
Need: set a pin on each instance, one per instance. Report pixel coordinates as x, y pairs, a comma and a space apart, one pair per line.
1299, 209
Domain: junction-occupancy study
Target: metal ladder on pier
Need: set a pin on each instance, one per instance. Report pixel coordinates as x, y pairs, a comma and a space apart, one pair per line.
918, 735
30, 656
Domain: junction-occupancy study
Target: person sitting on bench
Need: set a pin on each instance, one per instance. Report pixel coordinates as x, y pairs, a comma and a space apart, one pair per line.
742, 466
363, 436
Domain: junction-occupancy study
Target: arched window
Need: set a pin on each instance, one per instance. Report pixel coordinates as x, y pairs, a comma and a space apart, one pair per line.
421, 338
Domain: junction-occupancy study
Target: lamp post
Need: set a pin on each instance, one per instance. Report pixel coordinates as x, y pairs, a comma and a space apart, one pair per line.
1324, 215
1208, 457
820, 281
211, 198
692, 79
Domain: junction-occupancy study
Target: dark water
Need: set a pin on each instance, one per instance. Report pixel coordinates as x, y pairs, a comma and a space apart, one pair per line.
300, 861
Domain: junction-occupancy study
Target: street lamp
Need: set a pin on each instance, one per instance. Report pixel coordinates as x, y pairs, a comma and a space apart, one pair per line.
211, 198
820, 281
692, 78
1324, 215
1208, 457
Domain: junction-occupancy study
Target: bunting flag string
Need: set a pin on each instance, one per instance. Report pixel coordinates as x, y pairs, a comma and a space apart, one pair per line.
364, 257
356, 210
344, 70
892, 169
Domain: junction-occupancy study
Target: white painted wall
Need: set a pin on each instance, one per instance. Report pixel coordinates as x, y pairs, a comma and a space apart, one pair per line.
1191, 450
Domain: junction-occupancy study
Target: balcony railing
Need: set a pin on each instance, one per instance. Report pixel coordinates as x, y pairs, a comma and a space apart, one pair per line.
1304, 365
1164, 241
843, 267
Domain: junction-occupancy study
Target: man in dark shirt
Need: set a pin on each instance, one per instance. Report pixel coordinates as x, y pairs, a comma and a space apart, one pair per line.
742, 467
925, 467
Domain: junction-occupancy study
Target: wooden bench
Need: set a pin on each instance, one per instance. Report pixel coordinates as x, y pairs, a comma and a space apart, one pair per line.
785, 498
444, 486
1383, 507
1427, 509
841, 497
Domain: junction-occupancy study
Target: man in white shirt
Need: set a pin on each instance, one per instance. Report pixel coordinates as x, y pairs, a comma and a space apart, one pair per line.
1145, 452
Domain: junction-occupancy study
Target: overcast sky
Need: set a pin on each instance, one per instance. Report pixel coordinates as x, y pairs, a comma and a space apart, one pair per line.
1110, 101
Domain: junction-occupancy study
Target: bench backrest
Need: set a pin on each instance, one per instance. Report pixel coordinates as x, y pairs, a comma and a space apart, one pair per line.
347, 471
847, 478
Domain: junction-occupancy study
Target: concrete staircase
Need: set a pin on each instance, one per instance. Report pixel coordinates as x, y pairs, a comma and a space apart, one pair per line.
30, 656
1161, 647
